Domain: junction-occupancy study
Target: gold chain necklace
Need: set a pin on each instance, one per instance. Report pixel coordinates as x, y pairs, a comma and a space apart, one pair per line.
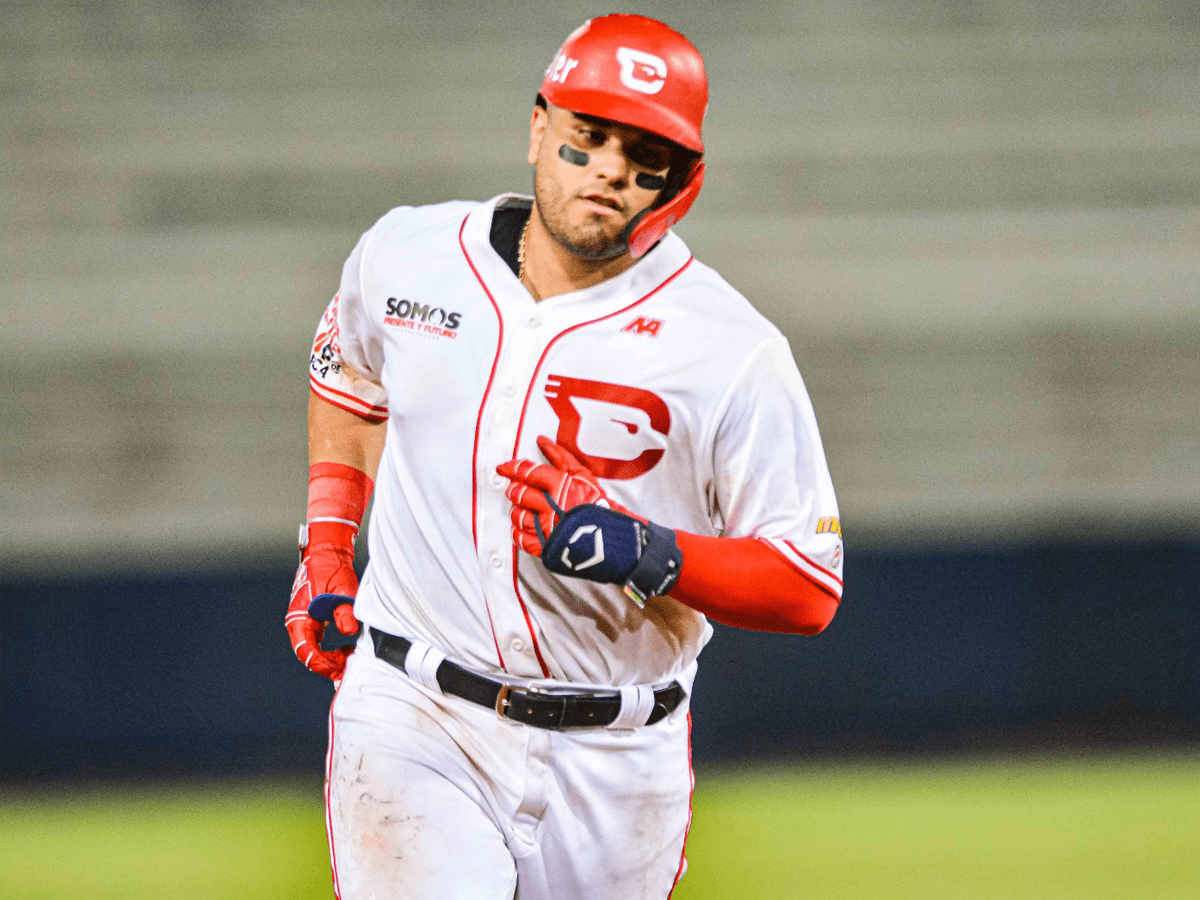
521, 252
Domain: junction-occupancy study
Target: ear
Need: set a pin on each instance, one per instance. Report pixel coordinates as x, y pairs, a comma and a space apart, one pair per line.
537, 128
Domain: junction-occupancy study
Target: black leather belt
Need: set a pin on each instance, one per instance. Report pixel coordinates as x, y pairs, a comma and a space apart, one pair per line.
527, 705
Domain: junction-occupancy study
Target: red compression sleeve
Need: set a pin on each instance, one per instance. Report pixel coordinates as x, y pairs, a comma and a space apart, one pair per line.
744, 583
337, 501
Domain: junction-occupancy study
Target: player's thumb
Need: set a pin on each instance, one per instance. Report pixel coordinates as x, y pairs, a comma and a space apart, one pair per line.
343, 618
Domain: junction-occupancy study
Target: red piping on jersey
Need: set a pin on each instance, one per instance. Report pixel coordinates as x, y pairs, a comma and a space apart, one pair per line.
687, 829
478, 422
808, 560
371, 417
525, 407
619, 312
328, 812
537, 650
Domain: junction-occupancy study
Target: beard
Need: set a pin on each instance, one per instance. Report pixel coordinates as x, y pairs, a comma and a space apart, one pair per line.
594, 240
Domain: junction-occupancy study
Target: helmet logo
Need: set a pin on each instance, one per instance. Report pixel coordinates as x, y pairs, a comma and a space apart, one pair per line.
636, 66
561, 68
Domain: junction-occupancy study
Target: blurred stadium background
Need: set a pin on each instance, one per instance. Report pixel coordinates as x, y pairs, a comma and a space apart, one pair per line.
977, 222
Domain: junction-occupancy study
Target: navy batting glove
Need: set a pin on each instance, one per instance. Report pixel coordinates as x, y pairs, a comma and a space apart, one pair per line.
610, 547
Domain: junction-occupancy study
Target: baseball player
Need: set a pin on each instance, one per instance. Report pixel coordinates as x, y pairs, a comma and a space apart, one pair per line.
582, 445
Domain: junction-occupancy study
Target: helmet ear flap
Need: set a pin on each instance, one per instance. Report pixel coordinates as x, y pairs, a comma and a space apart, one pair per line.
653, 223
683, 169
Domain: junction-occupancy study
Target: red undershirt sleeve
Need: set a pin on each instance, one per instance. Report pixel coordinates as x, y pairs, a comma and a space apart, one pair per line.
743, 582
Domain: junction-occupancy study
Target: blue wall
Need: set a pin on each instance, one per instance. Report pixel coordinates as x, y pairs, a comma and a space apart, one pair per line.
1044, 645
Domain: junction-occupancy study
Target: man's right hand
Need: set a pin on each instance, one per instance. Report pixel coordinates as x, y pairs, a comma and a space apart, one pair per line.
541, 494
324, 589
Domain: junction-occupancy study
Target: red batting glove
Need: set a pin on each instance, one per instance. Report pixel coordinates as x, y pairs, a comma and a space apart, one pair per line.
327, 567
540, 494
337, 501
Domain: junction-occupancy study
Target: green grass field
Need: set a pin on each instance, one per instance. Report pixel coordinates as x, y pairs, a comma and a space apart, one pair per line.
1021, 828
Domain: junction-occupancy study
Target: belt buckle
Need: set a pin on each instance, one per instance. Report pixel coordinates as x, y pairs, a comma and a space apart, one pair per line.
502, 701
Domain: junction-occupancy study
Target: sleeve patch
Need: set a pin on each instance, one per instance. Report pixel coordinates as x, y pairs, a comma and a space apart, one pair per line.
327, 351
829, 525
334, 379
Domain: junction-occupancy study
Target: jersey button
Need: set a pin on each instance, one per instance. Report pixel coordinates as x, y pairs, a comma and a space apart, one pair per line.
517, 644
497, 560
510, 391
533, 321
497, 479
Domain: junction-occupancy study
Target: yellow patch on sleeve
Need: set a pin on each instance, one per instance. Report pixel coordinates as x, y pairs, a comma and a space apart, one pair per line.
829, 525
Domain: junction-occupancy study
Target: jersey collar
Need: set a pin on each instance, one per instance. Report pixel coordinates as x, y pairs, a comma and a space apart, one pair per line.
640, 279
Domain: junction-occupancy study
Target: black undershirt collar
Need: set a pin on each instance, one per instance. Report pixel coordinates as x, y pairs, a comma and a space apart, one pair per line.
508, 219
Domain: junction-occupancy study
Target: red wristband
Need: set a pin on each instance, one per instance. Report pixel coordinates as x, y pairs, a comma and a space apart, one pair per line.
338, 493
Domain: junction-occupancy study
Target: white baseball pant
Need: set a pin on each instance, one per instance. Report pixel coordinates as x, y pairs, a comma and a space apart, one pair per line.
432, 796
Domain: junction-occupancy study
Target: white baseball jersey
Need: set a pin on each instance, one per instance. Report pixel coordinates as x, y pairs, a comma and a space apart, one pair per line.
683, 399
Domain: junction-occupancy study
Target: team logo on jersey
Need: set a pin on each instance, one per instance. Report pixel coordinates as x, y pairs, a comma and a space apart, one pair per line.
640, 71
642, 325
422, 319
617, 431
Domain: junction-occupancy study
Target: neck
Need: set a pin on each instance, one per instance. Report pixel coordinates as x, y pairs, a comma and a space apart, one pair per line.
551, 270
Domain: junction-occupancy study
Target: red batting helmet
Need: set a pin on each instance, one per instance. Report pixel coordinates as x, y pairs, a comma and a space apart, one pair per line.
639, 72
